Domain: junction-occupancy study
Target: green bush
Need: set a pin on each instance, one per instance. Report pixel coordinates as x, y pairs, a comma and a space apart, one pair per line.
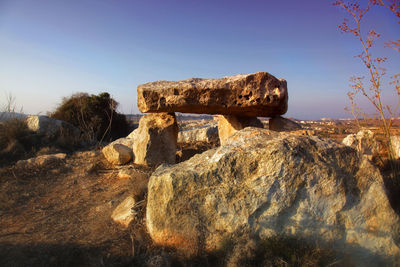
94, 115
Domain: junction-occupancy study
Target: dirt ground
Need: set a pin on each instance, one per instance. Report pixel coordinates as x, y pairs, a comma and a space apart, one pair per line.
60, 214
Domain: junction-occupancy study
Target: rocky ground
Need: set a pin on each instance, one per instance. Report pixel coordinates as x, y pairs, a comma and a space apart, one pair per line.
58, 213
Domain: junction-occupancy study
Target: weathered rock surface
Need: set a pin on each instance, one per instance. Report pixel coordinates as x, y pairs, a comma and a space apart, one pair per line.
126, 141
51, 127
123, 213
268, 183
207, 133
156, 139
395, 142
229, 125
132, 135
256, 94
364, 142
117, 154
281, 124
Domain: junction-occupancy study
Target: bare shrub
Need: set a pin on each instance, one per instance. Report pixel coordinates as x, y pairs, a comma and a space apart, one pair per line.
16, 140
94, 115
372, 88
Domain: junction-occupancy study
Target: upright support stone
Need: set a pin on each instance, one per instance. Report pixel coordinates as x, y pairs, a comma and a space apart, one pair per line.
156, 139
280, 124
230, 124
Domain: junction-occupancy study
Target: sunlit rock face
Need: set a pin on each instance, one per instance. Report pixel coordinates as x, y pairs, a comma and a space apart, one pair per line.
268, 183
156, 139
252, 95
230, 124
117, 154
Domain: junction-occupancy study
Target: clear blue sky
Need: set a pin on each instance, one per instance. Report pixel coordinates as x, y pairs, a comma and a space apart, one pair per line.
52, 48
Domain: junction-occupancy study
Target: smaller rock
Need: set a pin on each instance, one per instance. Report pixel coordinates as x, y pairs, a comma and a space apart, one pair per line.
281, 124
123, 213
364, 142
230, 124
42, 160
207, 133
395, 142
124, 174
117, 154
51, 127
126, 141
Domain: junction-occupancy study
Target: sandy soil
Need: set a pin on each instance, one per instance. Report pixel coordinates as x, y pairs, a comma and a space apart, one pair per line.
60, 214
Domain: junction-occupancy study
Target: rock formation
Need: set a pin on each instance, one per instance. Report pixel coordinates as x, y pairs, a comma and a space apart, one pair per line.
238, 99
156, 139
228, 125
252, 95
268, 183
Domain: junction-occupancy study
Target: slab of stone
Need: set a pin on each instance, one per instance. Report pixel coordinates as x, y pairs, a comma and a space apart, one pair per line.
255, 95
156, 139
228, 125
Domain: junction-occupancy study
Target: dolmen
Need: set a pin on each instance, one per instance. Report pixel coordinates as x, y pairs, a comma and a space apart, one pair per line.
236, 100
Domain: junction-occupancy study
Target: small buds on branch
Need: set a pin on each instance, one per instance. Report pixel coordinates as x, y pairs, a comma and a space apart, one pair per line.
373, 64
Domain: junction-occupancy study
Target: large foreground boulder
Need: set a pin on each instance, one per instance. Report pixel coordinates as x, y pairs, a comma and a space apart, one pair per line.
252, 95
268, 183
156, 139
